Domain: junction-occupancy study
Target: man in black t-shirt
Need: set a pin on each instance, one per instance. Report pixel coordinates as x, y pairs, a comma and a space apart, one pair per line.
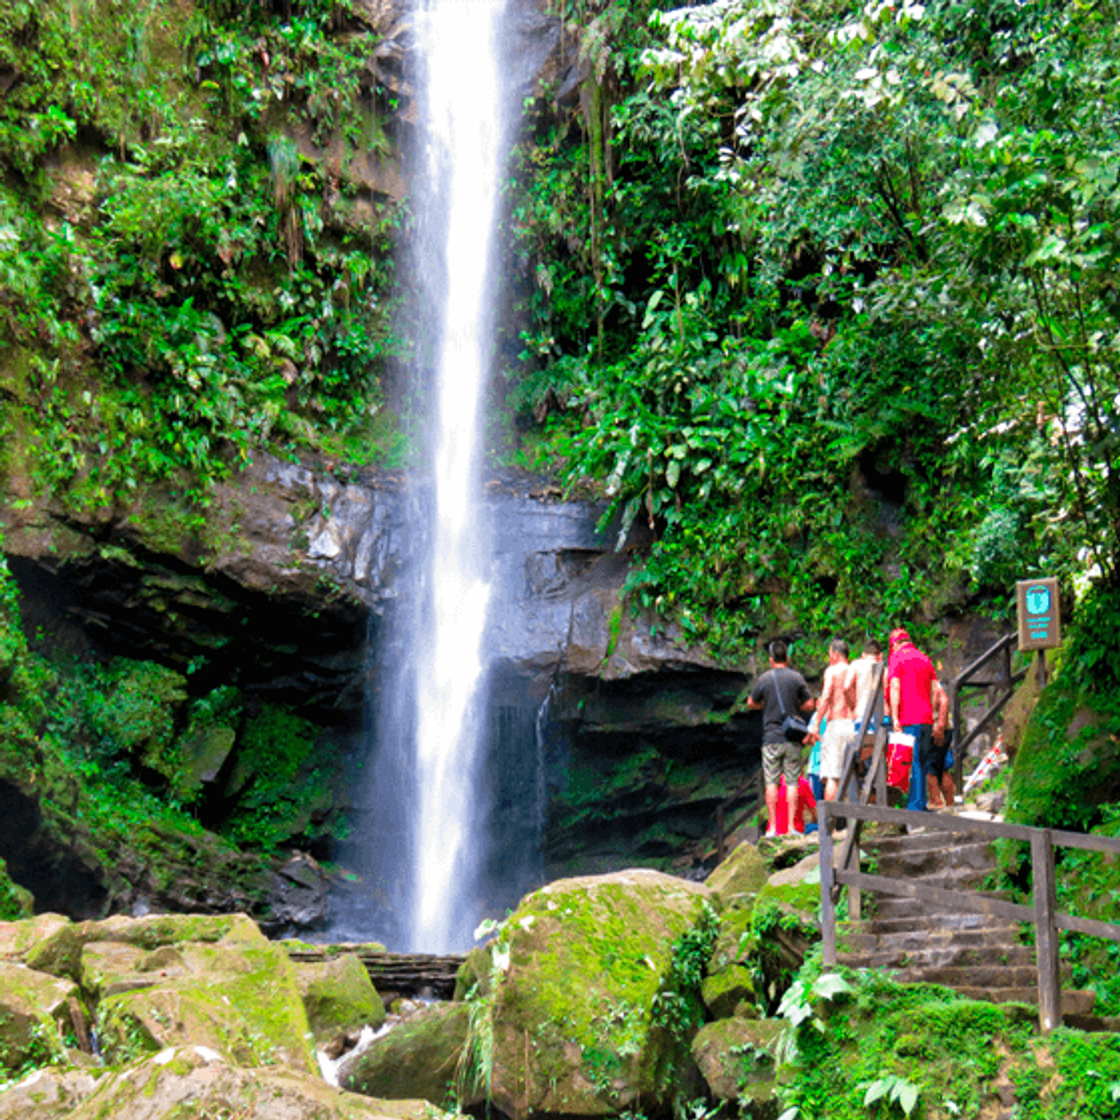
778, 754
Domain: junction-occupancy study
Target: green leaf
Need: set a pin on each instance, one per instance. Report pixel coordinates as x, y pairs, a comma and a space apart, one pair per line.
907, 1095
830, 985
876, 1091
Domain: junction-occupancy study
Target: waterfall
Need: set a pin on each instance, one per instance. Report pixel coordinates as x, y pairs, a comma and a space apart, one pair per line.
421, 827
456, 211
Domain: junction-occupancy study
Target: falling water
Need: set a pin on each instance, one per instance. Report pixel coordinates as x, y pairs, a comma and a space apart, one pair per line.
463, 135
422, 821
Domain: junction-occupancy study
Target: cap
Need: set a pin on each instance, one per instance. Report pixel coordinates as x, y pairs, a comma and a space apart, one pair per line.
898, 637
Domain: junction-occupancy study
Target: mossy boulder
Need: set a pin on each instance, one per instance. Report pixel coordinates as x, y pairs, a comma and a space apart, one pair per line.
32, 1007
797, 889
20, 939
744, 871
737, 1060
473, 974
733, 943
190, 1081
237, 996
425, 1058
338, 996
202, 751
729, 992
582, 963
54, 944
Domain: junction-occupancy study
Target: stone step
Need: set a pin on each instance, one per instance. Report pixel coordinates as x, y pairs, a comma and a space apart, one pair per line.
947, 878
889, 955
866, 940
931, 837
934, 923
982, 976
899, 906
1073, 1000
913, 855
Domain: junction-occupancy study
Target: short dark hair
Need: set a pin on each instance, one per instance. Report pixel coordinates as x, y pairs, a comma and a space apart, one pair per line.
841, 647
872, 646
779, 651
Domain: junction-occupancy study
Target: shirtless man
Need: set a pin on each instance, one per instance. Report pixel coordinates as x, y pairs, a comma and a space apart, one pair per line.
834, 707
857, 686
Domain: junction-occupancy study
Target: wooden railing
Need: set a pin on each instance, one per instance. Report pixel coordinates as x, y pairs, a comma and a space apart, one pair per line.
874, 785
1005, 682
1042, 914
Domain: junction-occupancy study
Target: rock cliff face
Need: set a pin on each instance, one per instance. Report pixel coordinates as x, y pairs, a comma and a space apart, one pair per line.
284, 589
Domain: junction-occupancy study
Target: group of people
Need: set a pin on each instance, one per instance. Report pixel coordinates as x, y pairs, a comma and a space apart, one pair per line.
915, 704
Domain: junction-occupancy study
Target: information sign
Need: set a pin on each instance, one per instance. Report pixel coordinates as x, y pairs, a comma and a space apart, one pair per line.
1040, 622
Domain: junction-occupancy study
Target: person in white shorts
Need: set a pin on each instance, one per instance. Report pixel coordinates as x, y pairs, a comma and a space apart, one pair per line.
835, 711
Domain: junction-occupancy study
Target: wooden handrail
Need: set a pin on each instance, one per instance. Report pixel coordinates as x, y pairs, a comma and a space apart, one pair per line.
1043, 914
1001, 648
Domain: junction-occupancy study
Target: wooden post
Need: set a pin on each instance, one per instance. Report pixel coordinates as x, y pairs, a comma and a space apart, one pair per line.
881, 769
1046, 935
958, 736
1040, 670
828, 909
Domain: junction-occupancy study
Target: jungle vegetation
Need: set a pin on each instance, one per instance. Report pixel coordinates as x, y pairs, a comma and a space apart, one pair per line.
822, 292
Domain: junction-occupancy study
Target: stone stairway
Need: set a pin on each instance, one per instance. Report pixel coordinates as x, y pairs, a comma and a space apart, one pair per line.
979, 955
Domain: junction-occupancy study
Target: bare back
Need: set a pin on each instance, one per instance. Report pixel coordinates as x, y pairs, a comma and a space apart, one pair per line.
834, 697
858, 686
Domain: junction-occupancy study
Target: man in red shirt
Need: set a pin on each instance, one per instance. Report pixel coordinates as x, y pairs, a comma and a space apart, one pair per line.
914, 706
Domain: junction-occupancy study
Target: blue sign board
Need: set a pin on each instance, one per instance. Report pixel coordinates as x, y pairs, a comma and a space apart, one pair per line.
1039, 613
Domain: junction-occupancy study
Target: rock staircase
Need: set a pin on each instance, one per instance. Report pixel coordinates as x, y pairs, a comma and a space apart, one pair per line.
979, 955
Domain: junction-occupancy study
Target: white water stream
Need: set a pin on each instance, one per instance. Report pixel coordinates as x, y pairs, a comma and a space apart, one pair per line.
464, 152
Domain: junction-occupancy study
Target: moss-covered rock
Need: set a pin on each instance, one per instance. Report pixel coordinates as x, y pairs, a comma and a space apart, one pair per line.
733, 942
585, 1016
425, 1057
744, 871
338, 996
797, 889
20, 939
737, 1058
54, 944
237, 995
32, 1007
202, 751
729, 992
192, 1082
474, 974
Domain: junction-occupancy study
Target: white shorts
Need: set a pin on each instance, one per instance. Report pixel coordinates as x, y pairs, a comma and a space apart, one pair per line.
837, 735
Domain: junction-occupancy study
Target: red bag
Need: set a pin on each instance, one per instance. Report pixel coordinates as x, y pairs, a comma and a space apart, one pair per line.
900, 754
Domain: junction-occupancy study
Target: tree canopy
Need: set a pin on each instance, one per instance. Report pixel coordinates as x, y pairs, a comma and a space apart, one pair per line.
848, 320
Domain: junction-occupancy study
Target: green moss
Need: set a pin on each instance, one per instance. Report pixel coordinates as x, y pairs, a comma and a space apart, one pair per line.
951, 1048
16, 902
622, 1017
1068, 762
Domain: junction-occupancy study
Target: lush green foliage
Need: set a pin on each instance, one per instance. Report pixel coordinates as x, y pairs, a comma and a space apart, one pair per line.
290, 768
866, 1046
105, 749
842, 329
677, 1006
187, 283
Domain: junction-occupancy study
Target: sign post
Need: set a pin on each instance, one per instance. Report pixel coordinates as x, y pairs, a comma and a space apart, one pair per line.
1040, 618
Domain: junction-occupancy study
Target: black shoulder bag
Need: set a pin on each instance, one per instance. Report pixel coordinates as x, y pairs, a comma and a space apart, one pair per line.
794, 728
